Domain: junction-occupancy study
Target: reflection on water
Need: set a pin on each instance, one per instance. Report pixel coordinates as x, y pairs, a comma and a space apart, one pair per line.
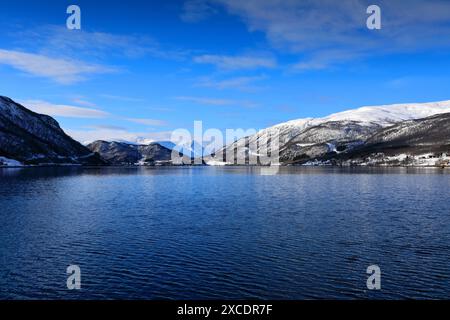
230, 233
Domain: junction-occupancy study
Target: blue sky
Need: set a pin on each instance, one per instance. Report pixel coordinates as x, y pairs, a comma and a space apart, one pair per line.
139, 69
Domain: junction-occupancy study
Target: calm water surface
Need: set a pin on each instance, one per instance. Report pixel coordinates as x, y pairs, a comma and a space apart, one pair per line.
224, 233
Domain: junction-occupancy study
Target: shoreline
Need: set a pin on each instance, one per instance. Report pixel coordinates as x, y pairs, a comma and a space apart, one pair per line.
207, 166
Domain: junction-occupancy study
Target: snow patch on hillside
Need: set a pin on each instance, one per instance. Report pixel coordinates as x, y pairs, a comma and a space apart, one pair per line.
10, 162
215, 163
402, 160
384, 115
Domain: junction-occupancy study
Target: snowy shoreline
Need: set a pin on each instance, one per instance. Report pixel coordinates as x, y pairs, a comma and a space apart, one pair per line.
224, 166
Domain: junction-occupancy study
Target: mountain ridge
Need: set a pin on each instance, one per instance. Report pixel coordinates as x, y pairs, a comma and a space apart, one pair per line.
31, 138
122, 153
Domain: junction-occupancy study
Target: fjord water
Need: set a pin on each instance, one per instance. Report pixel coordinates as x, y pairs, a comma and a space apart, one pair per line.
224, 233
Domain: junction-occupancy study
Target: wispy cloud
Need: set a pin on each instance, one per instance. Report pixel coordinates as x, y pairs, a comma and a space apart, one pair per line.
324, 59
207, 101
161, 109
70, 111
61, 110
63, 71
83, 102
100, 45
410, 80
148, 122
67, 57
217, 101
121, 98
311, 27
106, 127
239, 83
197, 10
237, 62
302, 25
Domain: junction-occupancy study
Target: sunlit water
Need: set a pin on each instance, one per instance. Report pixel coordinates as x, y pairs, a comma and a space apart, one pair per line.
224, 233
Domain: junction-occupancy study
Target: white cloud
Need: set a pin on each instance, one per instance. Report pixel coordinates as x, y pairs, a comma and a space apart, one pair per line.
207, 101
107, 127
197, 10
59, 110
302, 25
148, 122
237, 62
323, 60
51, 39
321, 24
96, 132
84, 103
312, 28
216, 101
121, 98
240, 83
404, 82
67, 57
60, 70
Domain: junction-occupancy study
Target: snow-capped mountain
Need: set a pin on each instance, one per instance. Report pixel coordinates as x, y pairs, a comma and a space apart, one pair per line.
30, 138
305, 139
414, 142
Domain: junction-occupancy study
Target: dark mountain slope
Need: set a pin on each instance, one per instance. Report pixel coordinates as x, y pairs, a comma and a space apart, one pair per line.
33, 138
428, 137
119, 153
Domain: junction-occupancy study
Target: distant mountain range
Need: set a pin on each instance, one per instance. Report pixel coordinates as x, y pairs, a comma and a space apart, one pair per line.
404, 134
120, 153
28, 138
